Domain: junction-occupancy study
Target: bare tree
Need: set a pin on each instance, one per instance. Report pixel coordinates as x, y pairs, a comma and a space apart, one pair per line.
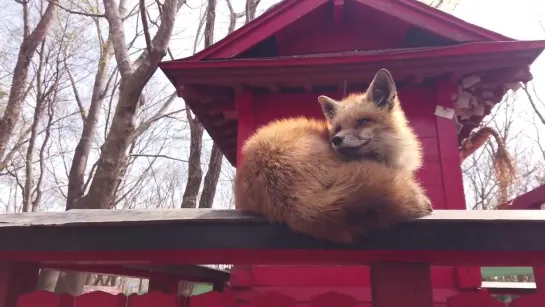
134, 77
44, 97
251, 8
31, 41
194, 176
76, 179
111, 164
215, 162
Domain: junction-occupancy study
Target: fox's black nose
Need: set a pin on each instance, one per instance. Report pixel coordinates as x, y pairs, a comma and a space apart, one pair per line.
337, 140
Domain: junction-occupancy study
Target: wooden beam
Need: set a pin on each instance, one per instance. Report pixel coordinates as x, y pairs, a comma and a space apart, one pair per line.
493, 238
274, 88
338, 12
205, 94
230, 114
218, 106
325, 74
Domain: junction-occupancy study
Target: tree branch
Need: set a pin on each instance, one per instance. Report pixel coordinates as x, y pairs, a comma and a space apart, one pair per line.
158, 156
145, 25
76, 12
118, 38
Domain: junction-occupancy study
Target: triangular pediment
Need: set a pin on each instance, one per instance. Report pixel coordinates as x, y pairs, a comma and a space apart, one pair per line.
297, 27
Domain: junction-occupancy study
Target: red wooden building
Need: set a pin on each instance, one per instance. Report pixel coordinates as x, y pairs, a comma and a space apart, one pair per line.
449, 74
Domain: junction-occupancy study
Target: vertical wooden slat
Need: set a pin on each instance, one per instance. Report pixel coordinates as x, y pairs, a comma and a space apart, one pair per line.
407, 285
100, 298
473, 299
154, 299
16, 279
45, 299
331, 299
447, 137
272, 299
244, 103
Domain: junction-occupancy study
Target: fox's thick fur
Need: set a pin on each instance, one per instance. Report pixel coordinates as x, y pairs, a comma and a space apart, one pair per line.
293, 172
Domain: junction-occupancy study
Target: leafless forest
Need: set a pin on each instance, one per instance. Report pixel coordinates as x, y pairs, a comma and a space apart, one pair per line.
87, 121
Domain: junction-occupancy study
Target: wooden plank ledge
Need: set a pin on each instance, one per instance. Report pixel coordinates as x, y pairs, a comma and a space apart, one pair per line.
89, 217
201, 236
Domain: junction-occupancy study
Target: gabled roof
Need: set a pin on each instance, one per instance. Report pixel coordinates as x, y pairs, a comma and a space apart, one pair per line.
286, 12
423, 43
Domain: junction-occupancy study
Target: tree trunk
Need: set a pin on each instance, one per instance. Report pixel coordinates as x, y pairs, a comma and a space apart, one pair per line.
251, 8
133, 80
211, 178
38, 112
18, 84
194, 172
76, 179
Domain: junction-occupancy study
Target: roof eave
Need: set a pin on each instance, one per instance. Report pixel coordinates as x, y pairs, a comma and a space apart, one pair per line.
529, 49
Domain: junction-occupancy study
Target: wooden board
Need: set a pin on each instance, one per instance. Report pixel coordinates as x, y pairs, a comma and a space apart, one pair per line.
125, 217
202, 236
89, 217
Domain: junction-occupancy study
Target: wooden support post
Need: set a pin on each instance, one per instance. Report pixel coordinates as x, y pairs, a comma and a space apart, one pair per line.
407, 285
16, 279
244, 101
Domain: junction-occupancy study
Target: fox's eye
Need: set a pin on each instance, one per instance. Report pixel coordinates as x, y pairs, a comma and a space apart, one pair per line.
362, 121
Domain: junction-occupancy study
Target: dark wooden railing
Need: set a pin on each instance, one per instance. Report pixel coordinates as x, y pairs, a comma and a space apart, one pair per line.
165, 246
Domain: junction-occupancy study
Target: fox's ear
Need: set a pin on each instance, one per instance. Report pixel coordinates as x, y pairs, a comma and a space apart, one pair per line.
382, 90
329, 106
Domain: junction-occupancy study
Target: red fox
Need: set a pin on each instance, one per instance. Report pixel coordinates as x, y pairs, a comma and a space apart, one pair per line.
339, 178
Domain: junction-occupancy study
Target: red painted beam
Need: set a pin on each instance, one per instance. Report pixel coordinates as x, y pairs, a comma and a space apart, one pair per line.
288, 257
488, 48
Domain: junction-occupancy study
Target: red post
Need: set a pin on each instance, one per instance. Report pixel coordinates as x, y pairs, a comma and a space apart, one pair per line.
246, 124
16, 279
407, 285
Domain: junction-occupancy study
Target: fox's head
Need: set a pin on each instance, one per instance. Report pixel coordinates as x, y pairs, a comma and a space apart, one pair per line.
372, 125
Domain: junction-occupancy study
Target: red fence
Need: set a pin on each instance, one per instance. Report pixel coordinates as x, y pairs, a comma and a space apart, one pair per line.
400, 260
226, 299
